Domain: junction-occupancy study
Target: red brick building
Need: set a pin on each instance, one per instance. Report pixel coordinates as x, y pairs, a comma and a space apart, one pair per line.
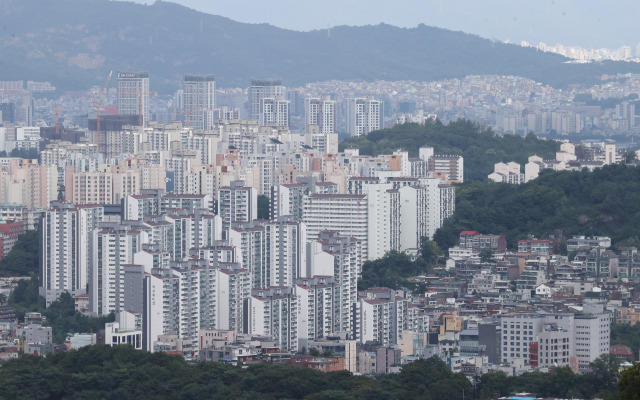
323, 364
622, 352
477, 242
9, 232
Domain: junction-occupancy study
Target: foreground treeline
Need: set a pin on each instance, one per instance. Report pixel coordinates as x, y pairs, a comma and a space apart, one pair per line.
605, 202
102, 372
480, 147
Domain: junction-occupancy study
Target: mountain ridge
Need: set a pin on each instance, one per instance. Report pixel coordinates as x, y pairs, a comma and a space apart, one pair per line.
74, 43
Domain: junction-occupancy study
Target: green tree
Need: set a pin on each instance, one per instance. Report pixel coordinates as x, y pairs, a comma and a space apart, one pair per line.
480, 147
392, 271
602, 379
429, 251
25, 153
25, 297
263, 207
497, 382
562, 247
603, 202
628, 335
629, 383
23, 259
486, 255
630, 157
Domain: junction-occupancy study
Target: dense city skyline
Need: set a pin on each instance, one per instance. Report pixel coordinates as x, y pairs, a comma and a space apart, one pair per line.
456, 213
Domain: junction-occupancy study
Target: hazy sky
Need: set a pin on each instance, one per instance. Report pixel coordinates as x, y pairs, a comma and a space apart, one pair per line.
588, 23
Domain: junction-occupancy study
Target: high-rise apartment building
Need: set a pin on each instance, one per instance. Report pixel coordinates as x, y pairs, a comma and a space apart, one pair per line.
237, 203
65, 248
364, 115
274, 312
347, 266
287, 200
320, 112
261, 89
342, 213
113, 247
199, 100
553, 339
105, 187
274, 252
449, 167
274, 111
383, 218
133, 94
420, 213
317, 299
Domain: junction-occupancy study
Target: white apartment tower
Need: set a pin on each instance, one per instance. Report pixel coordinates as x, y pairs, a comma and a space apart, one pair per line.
199, 100
66, 248
345, 214
237, 202
274, 112
347, 266
275, 312
274, 252
262, 89
320, 112
364, 115
592, 333
287, 200
317, 303
113, 247
133, 94
287, 241
420, 212
383, 218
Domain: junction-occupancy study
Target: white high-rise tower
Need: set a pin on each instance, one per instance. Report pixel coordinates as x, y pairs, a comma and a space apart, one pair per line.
133, 94
199, 100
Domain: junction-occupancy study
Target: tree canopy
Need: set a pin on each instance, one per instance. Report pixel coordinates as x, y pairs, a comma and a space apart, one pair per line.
480, 147
120, 372
605, 202
23, 259
263, 206
60, 315
628, 335
104, 372
394, 269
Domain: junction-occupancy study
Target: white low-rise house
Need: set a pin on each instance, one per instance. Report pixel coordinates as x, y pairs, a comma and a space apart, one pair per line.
543, 290
113, 336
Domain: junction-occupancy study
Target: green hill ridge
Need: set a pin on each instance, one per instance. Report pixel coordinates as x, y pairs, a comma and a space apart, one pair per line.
74, 43
480, 147
605, 202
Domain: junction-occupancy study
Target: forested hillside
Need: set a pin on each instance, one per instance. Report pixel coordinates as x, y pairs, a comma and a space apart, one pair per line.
605, 202
102, 372
74, 44
480, 147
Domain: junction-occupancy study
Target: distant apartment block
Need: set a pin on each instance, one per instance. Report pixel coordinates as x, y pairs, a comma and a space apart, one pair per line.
133, 94
364, 115
262, 89
477, 242
199, 100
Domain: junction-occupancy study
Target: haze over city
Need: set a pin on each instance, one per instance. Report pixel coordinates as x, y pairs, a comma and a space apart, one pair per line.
586, 23
195, 207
